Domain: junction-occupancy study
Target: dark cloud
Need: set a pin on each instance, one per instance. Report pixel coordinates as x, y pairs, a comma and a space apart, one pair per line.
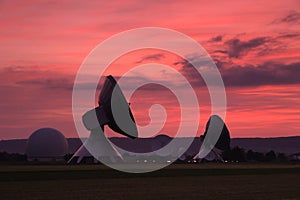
35, 77
237, 48
155, 57
293, 17
58, 83
218, 38
246, 76
288, 35
221, 51
192, 75
264, 74
64, 82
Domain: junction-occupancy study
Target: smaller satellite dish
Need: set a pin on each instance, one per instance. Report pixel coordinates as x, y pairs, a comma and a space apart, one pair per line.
212, 130
223, 142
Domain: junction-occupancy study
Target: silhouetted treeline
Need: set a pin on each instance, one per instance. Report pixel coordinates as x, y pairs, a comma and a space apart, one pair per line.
232, 155
240, 155
12, 158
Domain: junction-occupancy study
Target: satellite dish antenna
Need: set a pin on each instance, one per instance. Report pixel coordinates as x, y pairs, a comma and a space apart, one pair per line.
111, 99
223, 142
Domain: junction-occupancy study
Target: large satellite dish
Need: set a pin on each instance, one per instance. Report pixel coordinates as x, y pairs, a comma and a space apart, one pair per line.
114, 111
120, 104
112, 99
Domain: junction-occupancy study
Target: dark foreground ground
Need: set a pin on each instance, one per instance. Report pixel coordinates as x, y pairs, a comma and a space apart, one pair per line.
201, 181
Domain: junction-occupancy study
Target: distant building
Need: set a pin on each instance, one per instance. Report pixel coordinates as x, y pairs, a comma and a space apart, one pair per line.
295, 157
46, 145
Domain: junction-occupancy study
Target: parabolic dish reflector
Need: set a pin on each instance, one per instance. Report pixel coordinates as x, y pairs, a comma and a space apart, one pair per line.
112, 99
223, 142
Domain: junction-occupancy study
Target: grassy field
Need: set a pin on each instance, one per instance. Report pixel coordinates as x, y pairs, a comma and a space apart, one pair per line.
194, 181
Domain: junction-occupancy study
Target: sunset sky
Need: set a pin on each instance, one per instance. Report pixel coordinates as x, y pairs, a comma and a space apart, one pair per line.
255, 44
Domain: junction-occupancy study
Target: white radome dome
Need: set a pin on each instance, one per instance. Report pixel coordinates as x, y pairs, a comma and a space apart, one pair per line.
46, 144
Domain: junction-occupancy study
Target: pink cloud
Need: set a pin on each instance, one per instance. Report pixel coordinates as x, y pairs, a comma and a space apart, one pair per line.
56, 37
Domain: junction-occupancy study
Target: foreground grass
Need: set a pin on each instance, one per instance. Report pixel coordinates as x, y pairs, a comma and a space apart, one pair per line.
202, 181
